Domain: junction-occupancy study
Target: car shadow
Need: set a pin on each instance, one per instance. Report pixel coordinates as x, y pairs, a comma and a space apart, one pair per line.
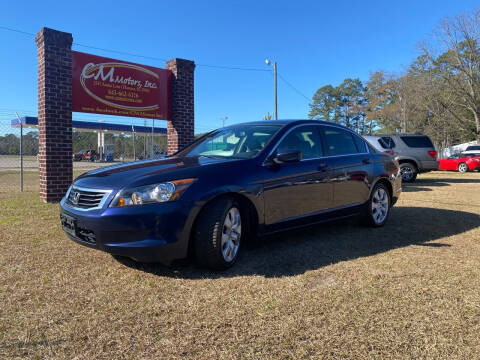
421, 184
295, 252
446, 180
413, 188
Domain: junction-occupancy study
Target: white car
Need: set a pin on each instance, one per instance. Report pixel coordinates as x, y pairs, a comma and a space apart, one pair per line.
472, 149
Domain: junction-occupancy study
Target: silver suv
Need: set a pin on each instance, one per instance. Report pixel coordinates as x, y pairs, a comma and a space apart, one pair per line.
414, 152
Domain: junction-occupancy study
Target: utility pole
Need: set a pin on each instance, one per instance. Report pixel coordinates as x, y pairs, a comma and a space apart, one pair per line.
275, 87
21, 152
274, 64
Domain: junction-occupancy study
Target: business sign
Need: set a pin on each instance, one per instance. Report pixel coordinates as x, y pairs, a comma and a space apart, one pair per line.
113, 87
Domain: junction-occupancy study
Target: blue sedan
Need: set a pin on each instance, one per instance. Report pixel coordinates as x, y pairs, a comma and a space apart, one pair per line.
232, 185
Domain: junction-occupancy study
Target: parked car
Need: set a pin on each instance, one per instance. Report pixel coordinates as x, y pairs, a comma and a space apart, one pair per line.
85, 155
461, 162
229, 186
414, 152
381, 143
472, 149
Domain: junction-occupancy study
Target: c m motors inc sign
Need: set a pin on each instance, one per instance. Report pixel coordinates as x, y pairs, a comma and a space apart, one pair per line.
113, 87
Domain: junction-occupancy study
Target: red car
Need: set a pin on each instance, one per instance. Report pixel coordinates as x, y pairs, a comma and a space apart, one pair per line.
85, 155
460, 162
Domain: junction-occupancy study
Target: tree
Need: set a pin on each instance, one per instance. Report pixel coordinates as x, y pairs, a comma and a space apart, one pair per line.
352, 102
458, 64
268, 116
325, 104
344, 104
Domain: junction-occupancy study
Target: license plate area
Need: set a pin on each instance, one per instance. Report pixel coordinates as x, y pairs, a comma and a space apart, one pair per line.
69, 224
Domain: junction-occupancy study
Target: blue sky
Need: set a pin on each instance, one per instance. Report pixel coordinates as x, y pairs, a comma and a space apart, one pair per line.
314, 42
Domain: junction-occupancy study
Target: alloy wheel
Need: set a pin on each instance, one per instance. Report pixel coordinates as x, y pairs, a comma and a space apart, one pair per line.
380, 205
462, 167
407, 172
231, 234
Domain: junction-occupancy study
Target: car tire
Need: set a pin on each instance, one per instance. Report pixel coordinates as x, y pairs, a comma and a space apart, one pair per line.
462, 167
218, 234
409, 172
378, 206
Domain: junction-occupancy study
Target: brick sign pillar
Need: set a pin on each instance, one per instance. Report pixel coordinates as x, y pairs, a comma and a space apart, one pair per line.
54, 113
180, 130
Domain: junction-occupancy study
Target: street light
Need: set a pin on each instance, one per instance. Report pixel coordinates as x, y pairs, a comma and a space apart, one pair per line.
274, 64
225, 118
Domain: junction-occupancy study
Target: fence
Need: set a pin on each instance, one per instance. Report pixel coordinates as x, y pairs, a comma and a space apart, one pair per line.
19, 149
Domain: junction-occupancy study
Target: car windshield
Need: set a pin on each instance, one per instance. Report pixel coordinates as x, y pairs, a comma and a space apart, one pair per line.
238, 142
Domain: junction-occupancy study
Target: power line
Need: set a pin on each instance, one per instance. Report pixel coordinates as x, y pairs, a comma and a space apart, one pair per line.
17, 31
224, 67
294, 88
119, 52
233, 68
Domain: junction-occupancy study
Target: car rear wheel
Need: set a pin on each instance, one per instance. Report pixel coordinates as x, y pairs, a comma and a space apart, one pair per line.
218, 234
462, 167
378, 206
408, 171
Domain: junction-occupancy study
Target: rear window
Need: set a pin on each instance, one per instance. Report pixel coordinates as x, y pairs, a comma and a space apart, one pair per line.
473, 147
386, 142
417, 141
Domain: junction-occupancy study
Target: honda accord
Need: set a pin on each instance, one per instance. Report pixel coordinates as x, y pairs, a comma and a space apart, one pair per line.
231, 185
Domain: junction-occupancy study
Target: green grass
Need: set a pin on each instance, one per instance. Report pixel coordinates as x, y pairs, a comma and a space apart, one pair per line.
406, 291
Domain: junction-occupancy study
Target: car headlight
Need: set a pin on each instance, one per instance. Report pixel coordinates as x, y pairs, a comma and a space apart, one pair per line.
148, 194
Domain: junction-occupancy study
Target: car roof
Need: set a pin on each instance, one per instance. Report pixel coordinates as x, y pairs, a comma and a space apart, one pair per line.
285, 122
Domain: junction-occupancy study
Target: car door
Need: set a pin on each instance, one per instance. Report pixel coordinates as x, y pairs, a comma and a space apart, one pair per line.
297, 189
351, 165
451, 163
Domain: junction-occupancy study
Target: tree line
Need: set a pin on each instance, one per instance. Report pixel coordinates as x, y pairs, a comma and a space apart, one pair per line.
438, 94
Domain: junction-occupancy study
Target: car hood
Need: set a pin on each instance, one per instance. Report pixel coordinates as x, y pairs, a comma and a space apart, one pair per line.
140, 172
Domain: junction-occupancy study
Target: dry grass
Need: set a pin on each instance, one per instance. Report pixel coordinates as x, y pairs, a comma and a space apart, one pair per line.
408, 290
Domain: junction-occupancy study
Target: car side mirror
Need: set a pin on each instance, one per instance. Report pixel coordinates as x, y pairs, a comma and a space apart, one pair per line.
288, 157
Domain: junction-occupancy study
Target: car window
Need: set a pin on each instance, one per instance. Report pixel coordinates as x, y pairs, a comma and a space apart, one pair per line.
417, 141
338, 142
386, 142
360, 144
305, 139
472, 147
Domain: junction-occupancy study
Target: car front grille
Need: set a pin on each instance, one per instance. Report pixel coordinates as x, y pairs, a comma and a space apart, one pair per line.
87, 198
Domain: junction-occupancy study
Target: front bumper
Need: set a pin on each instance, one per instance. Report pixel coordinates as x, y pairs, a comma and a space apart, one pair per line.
147, 233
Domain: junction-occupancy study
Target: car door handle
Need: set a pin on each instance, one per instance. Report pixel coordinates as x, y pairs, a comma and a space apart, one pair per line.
366, 161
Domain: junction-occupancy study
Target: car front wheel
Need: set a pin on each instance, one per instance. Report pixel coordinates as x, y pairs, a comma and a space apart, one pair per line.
378, 206
462, 167
218, 234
